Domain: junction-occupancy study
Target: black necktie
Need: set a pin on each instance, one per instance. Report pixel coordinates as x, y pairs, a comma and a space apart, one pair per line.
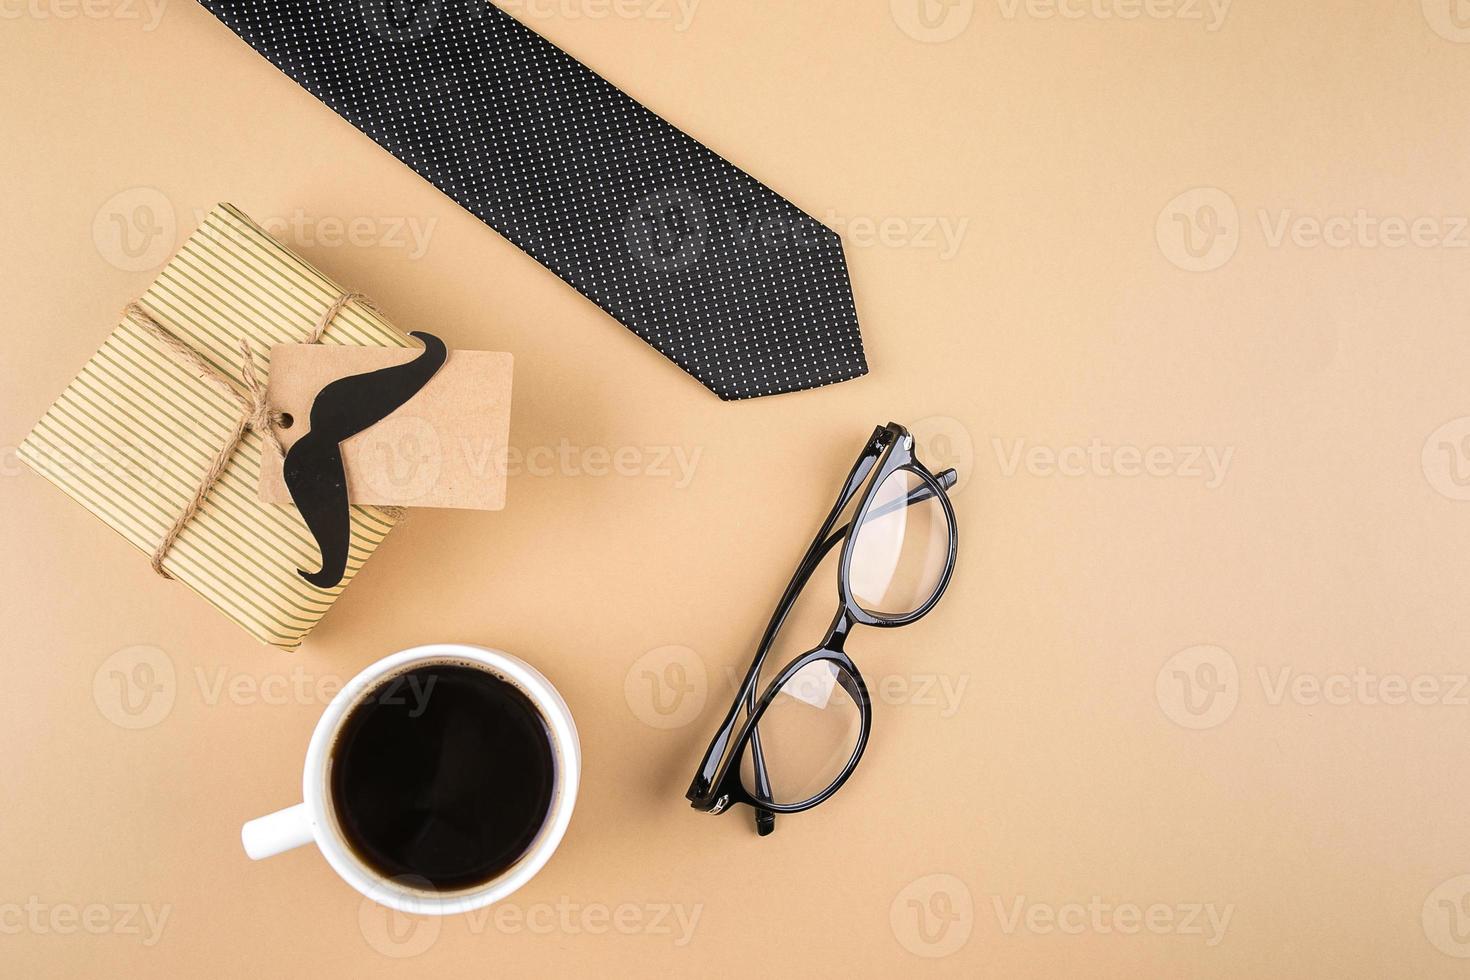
728, 279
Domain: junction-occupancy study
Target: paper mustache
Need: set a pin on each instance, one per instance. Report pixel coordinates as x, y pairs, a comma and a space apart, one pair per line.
313, 470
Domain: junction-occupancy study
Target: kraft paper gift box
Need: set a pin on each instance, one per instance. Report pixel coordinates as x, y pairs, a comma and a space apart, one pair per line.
133, 435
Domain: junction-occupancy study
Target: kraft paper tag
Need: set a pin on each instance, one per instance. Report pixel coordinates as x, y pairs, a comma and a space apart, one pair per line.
446, 447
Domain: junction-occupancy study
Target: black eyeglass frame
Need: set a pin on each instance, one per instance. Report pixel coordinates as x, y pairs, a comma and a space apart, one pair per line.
717, 785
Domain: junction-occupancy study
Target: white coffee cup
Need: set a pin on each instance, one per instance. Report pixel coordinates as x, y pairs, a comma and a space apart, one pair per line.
314, 820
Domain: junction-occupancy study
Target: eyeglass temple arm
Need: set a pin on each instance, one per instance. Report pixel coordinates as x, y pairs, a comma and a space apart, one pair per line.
765, 820
818, 550
814, 552
918, 495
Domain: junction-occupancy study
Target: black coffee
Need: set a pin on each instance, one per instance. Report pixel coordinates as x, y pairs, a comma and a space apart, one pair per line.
442, 773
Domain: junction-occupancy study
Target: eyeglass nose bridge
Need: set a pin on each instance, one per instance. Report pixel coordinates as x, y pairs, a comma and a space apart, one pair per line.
836, 638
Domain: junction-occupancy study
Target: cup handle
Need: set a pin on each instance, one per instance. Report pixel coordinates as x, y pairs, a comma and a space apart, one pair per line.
273, 833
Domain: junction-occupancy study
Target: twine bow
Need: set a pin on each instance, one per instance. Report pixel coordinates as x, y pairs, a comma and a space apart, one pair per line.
255, 413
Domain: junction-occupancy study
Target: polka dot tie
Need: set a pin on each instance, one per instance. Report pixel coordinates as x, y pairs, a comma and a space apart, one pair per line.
729, 280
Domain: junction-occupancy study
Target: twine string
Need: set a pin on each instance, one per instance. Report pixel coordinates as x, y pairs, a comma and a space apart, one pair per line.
255, 413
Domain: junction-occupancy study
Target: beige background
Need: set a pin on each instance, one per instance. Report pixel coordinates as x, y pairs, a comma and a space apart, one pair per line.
1050, 743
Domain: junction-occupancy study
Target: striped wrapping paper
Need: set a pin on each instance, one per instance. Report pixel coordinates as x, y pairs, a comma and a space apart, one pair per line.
131, 437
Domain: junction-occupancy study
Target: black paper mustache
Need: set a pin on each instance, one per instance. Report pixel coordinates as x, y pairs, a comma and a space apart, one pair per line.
313, 467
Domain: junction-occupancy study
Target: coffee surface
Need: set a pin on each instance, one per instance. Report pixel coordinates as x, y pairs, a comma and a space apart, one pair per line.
444, 773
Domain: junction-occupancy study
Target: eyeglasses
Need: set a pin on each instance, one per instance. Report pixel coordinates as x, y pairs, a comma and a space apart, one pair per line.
794, 746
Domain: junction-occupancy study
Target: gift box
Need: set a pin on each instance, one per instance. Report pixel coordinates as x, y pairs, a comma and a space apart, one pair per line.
135, 434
